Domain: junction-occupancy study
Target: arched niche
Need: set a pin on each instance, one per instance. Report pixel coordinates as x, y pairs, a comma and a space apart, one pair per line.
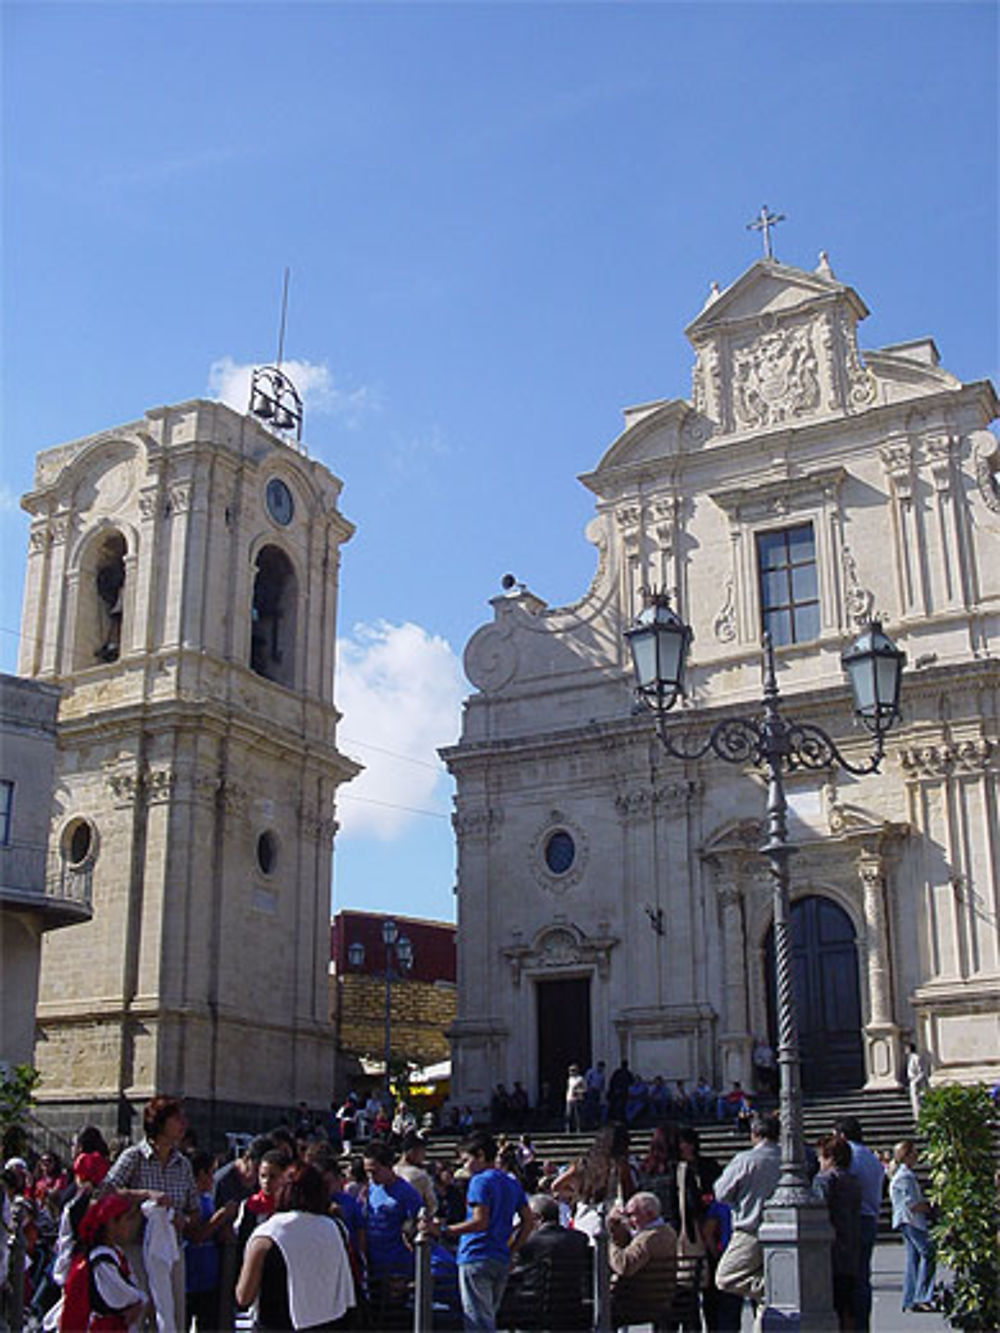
101, 576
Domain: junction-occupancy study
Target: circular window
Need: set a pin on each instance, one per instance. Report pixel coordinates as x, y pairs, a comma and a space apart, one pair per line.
560, 852
78, 842
280, 504
267, 852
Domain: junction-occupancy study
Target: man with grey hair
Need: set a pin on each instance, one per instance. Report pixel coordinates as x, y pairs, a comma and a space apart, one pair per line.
642, 1253
550, 1281
746, 1185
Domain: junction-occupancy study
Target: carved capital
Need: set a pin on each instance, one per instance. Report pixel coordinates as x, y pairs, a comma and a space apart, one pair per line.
179, 497
480, 825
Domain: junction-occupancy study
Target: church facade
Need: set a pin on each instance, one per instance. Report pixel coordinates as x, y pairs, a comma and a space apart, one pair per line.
612, 901
182, 594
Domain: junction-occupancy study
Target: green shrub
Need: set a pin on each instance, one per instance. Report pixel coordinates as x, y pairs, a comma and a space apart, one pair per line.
959, 1124
17, 1086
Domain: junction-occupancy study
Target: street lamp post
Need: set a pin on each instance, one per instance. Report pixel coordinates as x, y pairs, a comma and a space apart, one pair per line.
398, 955
398, 950
795, 1233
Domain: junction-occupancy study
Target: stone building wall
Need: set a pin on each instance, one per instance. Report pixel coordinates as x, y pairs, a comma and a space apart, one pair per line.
205, 777
642, 906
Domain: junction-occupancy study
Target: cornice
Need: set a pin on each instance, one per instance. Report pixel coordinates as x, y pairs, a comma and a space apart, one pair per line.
733, 449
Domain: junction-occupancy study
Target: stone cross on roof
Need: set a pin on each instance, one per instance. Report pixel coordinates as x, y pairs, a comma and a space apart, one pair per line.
764, 222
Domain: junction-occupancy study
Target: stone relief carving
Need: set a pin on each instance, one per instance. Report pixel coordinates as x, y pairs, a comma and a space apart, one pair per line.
59, 528
664, 515
38, 539
970, 756
477, 825
558, 946
643, 802
558, 949
858, 600
629, 519
147, 503
775, 378
724, 625
180, 498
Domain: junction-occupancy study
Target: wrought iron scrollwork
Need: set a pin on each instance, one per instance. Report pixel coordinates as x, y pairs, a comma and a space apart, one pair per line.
743, 740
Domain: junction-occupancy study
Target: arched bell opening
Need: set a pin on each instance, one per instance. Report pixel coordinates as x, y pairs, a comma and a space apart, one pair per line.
273, 617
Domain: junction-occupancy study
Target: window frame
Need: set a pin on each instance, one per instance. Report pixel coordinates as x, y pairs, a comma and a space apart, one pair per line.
6, 811
794, 606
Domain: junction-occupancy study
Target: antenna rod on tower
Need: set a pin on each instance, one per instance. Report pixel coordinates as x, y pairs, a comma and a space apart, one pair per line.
284, 314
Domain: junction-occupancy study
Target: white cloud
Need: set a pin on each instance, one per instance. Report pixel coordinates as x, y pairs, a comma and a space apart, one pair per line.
9, 503
400, 691
229, 381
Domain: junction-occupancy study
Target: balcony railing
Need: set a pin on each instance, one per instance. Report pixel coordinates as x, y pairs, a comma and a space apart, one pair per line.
71, 885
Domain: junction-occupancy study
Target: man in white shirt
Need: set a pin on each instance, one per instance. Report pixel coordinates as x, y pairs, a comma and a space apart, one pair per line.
746, 1185
576, 1091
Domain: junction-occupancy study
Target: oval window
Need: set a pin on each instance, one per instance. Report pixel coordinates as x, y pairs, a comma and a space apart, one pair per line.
78, 842
560, 852
267, 852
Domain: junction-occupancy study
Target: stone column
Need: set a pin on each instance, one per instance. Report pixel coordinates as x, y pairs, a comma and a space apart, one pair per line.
881, 1032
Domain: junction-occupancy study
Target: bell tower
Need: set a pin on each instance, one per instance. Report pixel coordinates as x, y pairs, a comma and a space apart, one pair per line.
182, 591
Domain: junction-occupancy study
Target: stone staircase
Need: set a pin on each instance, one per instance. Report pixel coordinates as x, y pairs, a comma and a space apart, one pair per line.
885, 1118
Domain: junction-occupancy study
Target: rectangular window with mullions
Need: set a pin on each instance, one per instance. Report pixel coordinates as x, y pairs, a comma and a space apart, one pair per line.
6, 810
789, 589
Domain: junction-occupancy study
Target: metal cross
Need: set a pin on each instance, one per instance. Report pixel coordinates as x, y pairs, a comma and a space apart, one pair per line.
764, 223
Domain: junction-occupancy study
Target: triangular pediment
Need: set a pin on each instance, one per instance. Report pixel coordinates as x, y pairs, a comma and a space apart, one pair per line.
768, 288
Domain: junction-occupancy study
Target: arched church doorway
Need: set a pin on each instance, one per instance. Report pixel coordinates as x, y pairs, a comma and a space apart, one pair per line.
827, 995
563, 1008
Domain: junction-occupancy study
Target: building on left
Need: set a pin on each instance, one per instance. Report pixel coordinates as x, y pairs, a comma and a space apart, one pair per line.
32, 900
182, 587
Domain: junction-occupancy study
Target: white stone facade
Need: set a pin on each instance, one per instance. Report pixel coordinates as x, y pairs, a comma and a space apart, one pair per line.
887, 462
166, 557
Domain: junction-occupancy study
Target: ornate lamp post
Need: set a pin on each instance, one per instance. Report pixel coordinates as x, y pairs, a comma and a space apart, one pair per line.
398, 962
795, 1232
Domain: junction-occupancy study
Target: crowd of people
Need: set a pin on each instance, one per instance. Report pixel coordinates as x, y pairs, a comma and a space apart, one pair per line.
296, 1233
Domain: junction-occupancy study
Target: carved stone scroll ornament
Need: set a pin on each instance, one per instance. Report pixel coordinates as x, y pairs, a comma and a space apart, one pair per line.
861, 386
859, 601
775, 378
724, 624
490, 659
986, 455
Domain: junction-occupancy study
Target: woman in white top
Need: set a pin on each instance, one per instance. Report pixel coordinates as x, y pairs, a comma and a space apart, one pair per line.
296, 1271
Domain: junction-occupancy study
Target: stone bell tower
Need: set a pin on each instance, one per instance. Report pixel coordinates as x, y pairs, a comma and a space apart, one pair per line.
182, 591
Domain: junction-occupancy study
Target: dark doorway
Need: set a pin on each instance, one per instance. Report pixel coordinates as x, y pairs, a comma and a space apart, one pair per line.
563, 1036
827, 995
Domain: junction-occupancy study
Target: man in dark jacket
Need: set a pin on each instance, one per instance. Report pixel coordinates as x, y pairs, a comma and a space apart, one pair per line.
550, 1283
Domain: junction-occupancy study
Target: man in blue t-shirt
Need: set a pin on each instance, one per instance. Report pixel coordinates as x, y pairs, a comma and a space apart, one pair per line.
390, 1215
486, 1238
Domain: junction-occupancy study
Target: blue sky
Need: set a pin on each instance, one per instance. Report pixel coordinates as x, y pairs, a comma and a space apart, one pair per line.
499, 218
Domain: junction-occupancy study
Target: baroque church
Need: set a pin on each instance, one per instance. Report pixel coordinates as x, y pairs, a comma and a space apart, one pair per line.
182, 592
612, 900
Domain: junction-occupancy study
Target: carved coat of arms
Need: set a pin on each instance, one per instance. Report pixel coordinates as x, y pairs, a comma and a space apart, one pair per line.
775, 378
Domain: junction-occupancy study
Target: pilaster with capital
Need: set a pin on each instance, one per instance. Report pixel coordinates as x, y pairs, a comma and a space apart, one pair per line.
735, 1044
882, 1047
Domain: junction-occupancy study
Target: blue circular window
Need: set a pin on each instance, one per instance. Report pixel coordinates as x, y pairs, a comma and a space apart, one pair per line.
560, 852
